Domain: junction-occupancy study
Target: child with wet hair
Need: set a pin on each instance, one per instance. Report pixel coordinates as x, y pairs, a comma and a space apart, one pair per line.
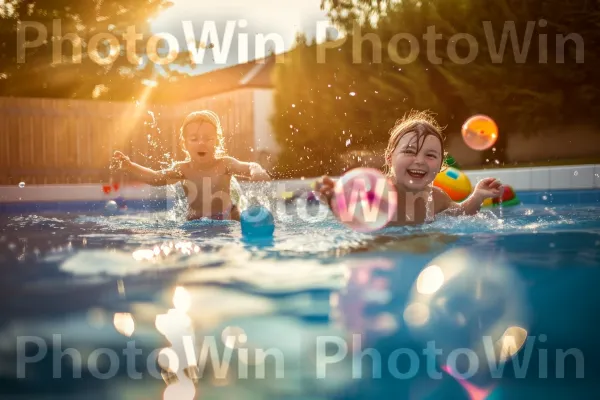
413, 157
206, 171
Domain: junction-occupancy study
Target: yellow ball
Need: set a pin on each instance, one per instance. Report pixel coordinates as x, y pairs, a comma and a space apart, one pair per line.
454, 182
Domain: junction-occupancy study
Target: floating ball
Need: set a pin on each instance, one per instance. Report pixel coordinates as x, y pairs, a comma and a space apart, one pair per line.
472, 306
508, 198
257, 221
454, 182
480, 132
365, 200
111, 207
507, 193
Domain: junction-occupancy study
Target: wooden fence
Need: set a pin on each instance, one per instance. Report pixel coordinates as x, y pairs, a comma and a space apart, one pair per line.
71, 141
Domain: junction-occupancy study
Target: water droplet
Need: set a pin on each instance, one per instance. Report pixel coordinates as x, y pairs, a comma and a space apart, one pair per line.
493, 149
497, 162
352, 94
575, 173
544, 198
293, 105
348, 142
487, 160
21, 185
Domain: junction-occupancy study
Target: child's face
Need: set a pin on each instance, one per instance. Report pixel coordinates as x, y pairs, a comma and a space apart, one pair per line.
415, 171
200, 140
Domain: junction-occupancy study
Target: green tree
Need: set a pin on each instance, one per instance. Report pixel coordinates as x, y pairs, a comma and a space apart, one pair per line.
521, 92
524, 94
41, 72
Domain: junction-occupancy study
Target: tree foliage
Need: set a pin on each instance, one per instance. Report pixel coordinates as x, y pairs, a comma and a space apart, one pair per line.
525, 84
53, 69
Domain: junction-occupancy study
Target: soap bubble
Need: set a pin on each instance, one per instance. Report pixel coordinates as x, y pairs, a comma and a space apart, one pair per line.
365, 200
21, 185
471, 307
480, 132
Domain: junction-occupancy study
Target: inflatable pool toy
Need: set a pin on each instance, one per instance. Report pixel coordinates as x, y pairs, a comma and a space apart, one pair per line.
257, 222
451, 162
480, 132
454, 182
509, 198
364, 200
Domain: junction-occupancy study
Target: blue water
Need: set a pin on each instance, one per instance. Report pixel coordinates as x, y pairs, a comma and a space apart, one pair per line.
97, 284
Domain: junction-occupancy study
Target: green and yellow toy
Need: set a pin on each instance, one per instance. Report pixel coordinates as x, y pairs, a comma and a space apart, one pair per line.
458, 186
454, 182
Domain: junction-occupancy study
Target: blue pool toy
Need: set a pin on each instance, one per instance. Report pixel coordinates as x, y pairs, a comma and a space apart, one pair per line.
257, 221
111, 208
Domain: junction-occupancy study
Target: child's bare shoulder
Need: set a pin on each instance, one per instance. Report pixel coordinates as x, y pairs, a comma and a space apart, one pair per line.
232, 165
228, 160
177, 170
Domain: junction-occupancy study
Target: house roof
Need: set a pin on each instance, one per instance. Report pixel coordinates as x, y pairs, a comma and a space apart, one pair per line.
254, 74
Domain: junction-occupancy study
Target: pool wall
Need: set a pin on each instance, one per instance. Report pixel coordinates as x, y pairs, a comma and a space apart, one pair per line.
578, 184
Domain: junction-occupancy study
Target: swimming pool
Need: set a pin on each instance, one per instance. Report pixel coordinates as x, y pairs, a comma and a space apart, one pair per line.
89, 301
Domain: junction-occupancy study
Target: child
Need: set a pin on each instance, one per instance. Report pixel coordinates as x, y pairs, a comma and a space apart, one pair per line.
413, 158
205, 173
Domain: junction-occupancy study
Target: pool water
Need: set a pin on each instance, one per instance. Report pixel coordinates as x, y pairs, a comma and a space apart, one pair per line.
79, 289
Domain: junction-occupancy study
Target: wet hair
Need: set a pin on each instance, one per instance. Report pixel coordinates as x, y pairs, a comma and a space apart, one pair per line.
422, 124
203, 116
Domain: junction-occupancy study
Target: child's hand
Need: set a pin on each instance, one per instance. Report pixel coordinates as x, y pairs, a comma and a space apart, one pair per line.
119, 161
257, 172
488, 187
325, 187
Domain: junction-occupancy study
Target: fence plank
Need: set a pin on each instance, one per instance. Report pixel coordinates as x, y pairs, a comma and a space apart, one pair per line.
68, 141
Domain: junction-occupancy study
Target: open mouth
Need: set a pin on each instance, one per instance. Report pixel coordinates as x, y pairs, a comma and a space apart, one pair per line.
201, 153
415, 173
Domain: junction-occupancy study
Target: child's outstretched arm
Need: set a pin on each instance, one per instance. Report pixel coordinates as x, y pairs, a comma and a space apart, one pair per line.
251, 169
486, 188
146, 175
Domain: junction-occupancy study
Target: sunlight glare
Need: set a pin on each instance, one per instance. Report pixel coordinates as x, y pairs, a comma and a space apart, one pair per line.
124, 324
